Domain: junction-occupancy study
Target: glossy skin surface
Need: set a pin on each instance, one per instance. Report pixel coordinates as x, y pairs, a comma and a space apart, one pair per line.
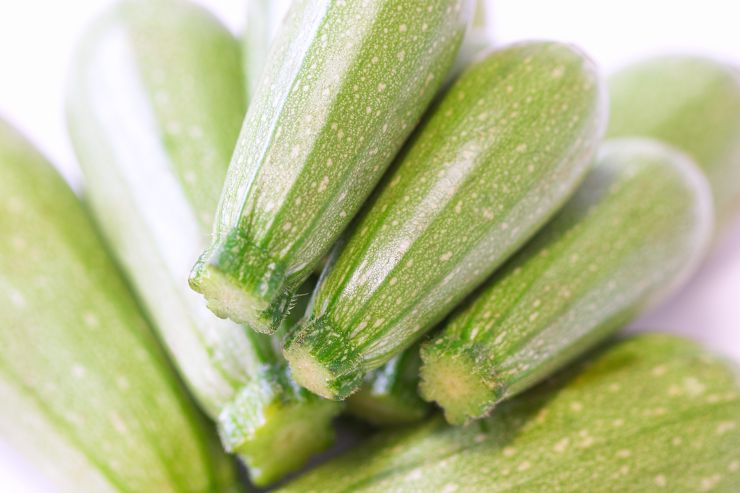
344, 86
499, 154
154, 105
652, 413
87, 392
699, 114
637, 226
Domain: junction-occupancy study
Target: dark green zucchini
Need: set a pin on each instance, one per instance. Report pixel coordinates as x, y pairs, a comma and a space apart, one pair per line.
633, 231
497, 156
344, 85
649, 414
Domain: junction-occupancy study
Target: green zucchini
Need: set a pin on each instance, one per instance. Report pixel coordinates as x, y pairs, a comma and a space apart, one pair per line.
155, 100
636, 228
86, 391
263, 20
652, 413
389, 396
499, 154
690, 102
345, 84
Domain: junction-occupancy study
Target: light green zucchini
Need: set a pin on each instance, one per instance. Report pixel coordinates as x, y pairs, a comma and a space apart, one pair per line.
649, 414
499, 154
87, 393
155, 100
691, 102
263, 20
345, 84
389, 395
634, 230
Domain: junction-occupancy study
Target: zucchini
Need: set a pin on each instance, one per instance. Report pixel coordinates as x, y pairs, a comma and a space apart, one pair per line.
154, 104
651, 413
635, 229
389, 396
343, 87
499, 154
691, 102
87, 393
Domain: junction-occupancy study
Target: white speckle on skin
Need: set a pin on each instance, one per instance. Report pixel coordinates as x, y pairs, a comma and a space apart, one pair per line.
329, 162
623, 454
118, 423
414, 475
734, 466
524, 466
381, 87
123, 383
561, 445
725, 427
660, 480
190, 177
323, 184
403, 28
17, 299
287, 226
509, 451
576, 407
557, 72
90, 319
450, 488
445, 256
393, 281
78, 371
709, 483
521, 148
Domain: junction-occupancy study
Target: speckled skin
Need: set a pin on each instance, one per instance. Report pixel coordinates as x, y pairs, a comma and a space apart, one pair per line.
691, 102
499, 154
344, 85
87, 394
649, 414
635, 229
154, 104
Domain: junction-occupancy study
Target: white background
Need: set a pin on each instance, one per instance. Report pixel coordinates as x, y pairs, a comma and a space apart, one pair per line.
37, 36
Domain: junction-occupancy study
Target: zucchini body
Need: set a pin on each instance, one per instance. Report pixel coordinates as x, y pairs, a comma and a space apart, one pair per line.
87, 393
692, 103
344, 85
652, 413
498, 155
634, 230
154, 104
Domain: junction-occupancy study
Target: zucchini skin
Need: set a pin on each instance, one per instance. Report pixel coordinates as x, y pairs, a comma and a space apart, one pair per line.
635, 229
497, 156
154, 104
699, 115
88, 394
344, 85
651, 413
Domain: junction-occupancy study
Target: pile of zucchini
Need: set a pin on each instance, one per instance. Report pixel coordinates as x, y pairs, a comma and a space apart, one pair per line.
400, 219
